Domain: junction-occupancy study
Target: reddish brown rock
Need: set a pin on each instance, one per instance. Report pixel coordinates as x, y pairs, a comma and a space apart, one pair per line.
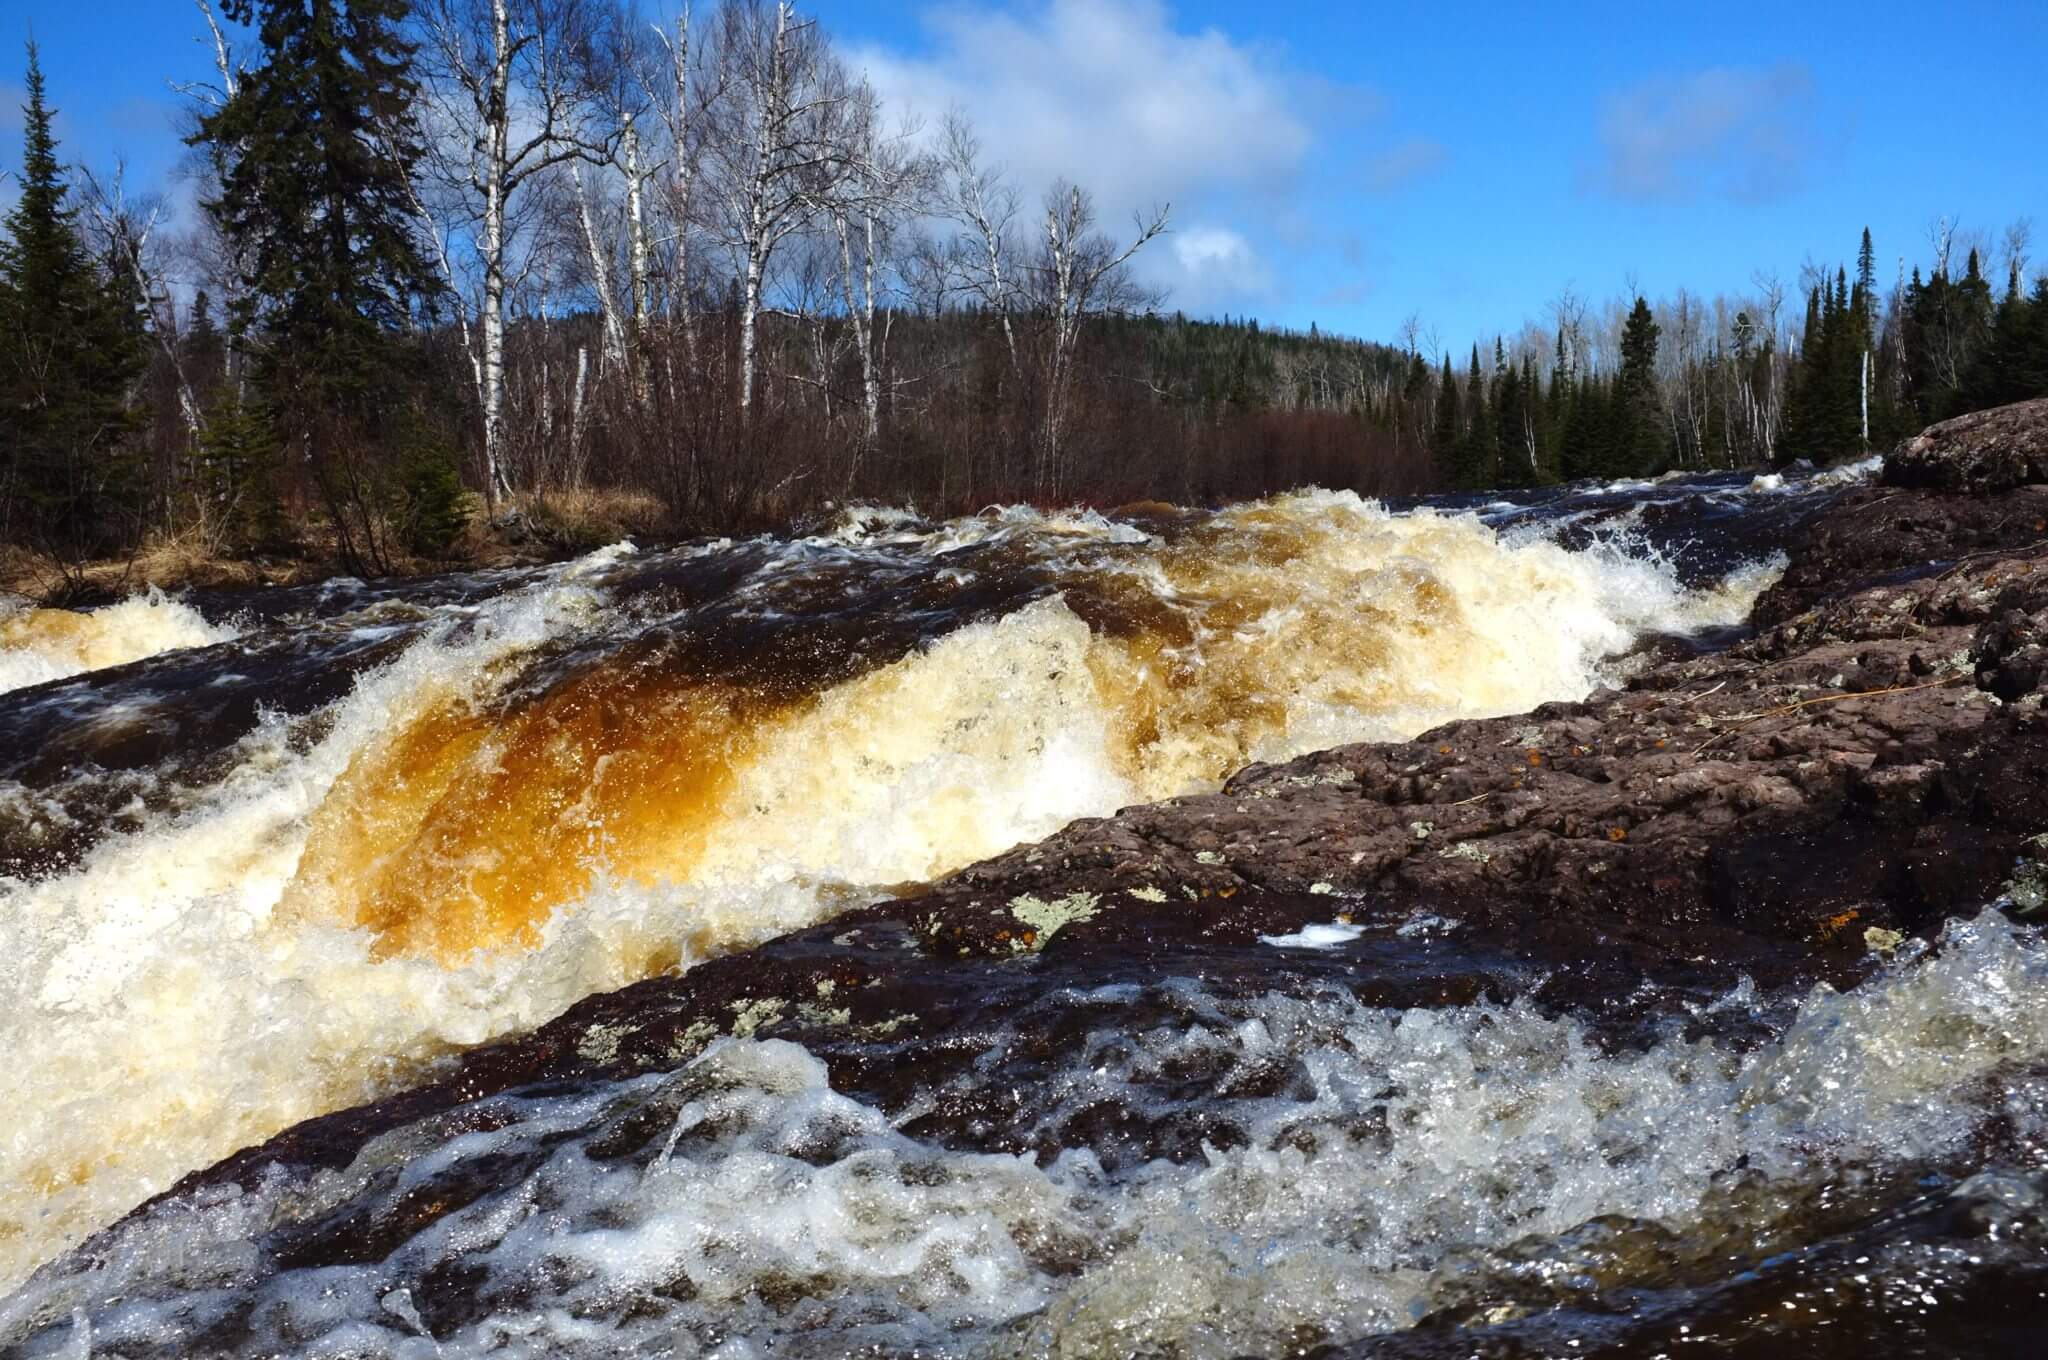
1984, 451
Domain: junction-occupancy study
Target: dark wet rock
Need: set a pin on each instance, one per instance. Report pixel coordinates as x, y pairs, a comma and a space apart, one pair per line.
1878, 536
1959, 1271
1984, 451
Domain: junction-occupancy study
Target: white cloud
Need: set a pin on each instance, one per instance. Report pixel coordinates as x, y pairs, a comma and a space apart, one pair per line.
1401, 165
1737, 132
1207, 249
1107, 93
1112, 95
1217, 266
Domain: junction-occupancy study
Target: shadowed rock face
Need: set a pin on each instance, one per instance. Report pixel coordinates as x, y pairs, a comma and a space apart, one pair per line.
1666, 868
1985, 451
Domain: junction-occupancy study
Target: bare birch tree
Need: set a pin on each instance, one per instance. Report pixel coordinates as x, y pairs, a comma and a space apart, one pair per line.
1080, 274
882, 187
504, 79
776, 152
983, 203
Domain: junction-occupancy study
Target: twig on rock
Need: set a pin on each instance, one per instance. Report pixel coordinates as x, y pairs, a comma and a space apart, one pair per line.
1825, 699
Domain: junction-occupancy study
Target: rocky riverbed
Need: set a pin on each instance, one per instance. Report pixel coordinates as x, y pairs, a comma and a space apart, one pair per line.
1391, 1049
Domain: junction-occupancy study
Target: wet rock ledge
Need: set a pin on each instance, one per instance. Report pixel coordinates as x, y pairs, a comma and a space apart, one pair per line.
1870, 759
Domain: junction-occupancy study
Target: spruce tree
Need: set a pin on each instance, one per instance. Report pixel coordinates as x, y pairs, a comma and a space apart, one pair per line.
318, 145
70, 353
1448, 427
1511, 449
1476, 450
319, 142
1639, 426
1557, 415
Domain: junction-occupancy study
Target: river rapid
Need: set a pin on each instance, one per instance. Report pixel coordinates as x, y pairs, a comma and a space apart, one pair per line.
268, 856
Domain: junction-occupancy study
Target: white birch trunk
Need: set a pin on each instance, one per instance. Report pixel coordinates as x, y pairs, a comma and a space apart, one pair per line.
637, 255
614, 352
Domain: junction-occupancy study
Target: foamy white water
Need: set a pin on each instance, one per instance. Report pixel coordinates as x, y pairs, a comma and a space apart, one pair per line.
741, 1207
39, 645
458, 857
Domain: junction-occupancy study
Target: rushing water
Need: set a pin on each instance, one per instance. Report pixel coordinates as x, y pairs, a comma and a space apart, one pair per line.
273, 855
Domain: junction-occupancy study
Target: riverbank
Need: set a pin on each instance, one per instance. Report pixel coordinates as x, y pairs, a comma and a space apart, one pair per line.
531, 531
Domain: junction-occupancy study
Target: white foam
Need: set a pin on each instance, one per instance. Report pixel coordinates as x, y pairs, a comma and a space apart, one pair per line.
164, 1012
1319, 935
771, 1215
40, 645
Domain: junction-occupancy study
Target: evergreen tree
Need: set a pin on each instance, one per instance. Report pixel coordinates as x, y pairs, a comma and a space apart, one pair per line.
318, 145
2004, 366
1448, 427
2034, 370
1587, 432
236, 478
1511, 449
70, 353
1639, 427
1476, 450
1557, 413
319, 142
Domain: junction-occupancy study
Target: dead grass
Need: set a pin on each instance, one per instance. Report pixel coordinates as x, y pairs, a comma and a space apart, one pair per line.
535, 528
581, 519
170, 562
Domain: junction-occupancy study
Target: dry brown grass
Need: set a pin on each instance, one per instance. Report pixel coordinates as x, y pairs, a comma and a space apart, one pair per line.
555, 524
584, 518
168, 562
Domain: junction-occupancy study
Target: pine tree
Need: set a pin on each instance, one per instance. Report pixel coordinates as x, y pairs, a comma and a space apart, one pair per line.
236, 478
70, 353
2034, 368
1639, 427
319, 142
1557, 414
1511, 449
1587, 432
2003, 368
1448, 426
1476, 450
318, 145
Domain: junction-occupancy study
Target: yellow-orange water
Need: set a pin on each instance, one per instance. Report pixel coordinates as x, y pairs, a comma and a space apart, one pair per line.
458, 858
463, 831
38, 645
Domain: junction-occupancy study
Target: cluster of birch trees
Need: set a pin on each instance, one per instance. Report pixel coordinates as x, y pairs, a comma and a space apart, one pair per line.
674, 248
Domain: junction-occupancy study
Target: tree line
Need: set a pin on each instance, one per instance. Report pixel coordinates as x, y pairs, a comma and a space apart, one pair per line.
455, 259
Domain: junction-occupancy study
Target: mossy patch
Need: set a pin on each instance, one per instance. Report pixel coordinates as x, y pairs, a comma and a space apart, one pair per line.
600, 1043
1047, 919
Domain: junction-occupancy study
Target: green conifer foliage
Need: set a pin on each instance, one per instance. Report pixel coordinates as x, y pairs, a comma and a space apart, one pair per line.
70, 354
432, 508
319, 143
1639, 427
1448, 426
236, 478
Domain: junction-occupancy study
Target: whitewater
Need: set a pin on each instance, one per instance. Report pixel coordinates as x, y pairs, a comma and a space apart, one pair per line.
564, 780
272, 856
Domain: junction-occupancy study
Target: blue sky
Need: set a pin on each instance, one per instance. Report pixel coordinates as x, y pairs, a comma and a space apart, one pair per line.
1354, 165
